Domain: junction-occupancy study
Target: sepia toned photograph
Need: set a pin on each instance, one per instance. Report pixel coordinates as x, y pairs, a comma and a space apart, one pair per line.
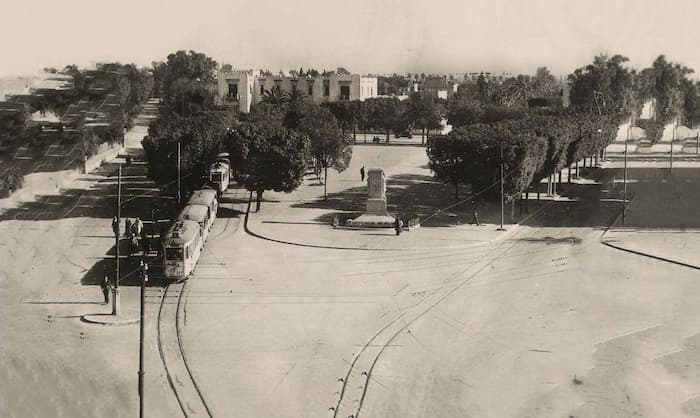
333, 209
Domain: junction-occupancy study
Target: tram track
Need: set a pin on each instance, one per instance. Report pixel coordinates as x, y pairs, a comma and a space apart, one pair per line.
172, 354
359, 375
357, 379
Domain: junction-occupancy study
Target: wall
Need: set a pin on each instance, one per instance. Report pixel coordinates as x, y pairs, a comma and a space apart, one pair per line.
47, 183
245, 83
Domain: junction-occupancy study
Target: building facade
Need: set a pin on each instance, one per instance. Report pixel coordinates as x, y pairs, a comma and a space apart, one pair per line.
247, 88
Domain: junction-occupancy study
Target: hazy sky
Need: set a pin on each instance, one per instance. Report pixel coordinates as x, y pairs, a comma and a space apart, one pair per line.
361, 35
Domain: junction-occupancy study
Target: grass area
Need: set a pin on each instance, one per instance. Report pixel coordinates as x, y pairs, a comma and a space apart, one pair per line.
661, 199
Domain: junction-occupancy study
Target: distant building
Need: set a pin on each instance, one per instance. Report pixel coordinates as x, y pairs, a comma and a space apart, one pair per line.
488, 76
247, 88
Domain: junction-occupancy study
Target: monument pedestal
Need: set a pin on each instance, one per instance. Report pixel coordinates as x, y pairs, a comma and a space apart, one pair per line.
376, 215
376, 206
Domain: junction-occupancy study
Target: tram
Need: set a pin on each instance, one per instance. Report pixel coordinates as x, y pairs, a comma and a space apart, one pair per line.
199, 214
220, 172
207, 198
182, 246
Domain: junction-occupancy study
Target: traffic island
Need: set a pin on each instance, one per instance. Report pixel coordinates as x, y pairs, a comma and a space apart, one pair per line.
125, 318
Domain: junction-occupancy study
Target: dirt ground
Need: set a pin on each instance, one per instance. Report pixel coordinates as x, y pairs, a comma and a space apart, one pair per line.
543, 322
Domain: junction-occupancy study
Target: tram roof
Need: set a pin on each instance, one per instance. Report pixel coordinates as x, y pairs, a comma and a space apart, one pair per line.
181, 232
195, 213
204, 193
218, 164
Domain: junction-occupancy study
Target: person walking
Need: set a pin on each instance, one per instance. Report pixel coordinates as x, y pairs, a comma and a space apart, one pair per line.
475, 214
397, 225
105, 286
115, 227
137, 227
127, 228
145, 243
362, 173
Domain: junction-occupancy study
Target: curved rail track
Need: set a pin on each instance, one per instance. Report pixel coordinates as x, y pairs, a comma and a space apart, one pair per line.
177, 370
356, 382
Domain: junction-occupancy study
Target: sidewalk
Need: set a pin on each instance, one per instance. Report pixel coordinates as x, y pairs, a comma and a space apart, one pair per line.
675, 246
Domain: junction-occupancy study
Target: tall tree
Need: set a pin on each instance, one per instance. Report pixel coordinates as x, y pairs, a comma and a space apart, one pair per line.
605, 86
200, 137
329, 145
665, 80
187, 77
267, 156
544, 84
423, 112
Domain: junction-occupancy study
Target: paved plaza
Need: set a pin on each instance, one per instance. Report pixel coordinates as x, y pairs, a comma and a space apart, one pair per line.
289, 317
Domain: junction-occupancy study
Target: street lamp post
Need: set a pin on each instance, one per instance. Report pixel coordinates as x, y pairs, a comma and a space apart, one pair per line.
624, 179
178, 171
673, 138
115, 291
144, 279
502, 198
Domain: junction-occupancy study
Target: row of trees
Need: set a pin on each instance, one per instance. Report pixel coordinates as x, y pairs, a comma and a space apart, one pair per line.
607, 86
128, 85
533, 148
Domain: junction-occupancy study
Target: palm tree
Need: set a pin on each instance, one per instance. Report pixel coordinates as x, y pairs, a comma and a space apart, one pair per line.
275, 95
295, 96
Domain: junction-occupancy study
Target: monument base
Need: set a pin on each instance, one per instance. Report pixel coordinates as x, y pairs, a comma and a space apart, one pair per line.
371, 220
376, 206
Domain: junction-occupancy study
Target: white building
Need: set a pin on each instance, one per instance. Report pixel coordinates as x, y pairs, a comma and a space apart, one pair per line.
247, 88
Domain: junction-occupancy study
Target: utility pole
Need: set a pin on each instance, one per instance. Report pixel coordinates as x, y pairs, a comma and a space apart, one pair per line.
501, 228
178, 171
115, 295
673, 138
144, 279
624, 179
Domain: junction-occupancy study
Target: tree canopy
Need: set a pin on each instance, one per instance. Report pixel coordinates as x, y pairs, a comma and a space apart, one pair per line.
201, 137
267, 156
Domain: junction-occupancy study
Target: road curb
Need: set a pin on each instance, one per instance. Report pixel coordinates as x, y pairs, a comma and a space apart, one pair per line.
648, 255
109, 319
250, 232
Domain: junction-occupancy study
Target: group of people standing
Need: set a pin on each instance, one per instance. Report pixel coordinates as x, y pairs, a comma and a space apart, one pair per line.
134, 231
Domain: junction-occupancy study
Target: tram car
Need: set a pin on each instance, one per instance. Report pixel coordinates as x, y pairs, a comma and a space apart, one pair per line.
208, 198
199, 214
182, 247
220, 173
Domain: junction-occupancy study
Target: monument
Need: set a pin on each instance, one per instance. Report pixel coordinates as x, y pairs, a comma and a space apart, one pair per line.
375, 215
376, 191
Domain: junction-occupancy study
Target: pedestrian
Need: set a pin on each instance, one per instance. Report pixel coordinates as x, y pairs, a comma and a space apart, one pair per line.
145, 243
115, 227
397, 225
475, 214
127, 228
137, 227
128, 159
362, 173
105, 286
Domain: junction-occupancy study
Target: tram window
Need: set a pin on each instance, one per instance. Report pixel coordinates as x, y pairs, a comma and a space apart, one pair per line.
173, 253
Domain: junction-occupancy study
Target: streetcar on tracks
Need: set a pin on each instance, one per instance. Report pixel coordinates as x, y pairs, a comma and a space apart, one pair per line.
208, 198
182, 246
220, 173
199, 214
